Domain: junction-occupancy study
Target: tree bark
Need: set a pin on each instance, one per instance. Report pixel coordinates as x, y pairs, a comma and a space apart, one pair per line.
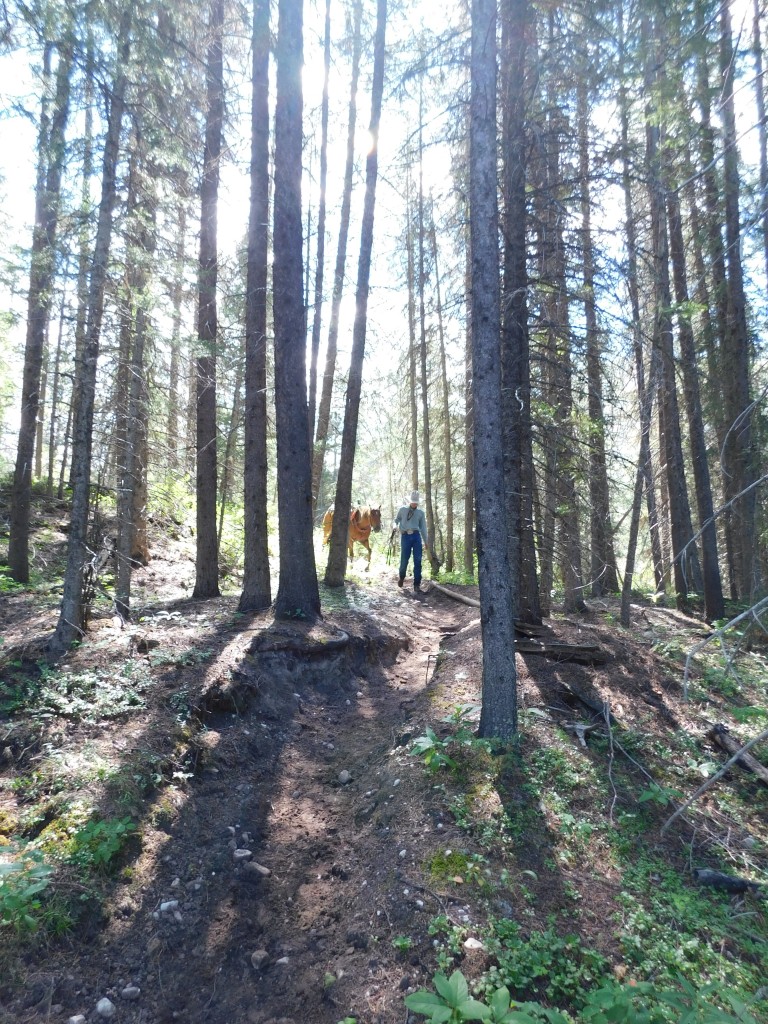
207, 548
762, 126
51, 151
326, 394
256, 579
71, 622
297, 594
174, 376
426, 440
320, 266
516, 375
337, 557
739, 455
713, 591
445, 394
497, 575
604, 575
687, 572
469, 423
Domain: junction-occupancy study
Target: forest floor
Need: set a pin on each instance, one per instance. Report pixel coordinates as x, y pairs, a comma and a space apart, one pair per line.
242, 832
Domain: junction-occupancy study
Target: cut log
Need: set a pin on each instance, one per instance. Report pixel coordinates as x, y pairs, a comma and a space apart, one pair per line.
721, 737
589, 654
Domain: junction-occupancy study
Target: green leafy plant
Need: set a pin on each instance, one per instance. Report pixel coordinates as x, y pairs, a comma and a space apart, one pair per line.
546, 963
434, 749
452, 1003
91, 695
98, 843
661, 795
402, 943
643, 1003
22, 880
8, 585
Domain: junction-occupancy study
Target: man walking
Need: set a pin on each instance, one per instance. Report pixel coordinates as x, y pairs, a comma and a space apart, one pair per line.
412, 524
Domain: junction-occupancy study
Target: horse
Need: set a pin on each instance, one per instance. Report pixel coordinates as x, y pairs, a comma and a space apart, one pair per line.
362, 519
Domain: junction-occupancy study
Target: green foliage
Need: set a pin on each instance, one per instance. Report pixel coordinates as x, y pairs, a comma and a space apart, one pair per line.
643, 1003
546, 963
636, 1003
402, 943
162, 656
22, 881
458, 867
96, 845
749, 714
671, 929
434, 751
8, 584
91, 695
661, 795
452, 1003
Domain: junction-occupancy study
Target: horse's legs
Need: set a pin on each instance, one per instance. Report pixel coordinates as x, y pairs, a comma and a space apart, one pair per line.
367, 546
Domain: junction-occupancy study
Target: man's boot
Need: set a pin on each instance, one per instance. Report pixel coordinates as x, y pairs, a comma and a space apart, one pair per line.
400, 580
417, 587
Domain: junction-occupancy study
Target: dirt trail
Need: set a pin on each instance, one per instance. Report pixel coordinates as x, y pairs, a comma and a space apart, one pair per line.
271, 884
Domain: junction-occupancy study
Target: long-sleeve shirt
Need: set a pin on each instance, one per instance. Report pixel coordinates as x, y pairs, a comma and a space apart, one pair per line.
409, 519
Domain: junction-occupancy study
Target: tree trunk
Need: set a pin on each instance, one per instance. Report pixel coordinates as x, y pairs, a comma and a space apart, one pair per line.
227, 462
320, 267
326, 395
174, 376
71, 622
447, 433
337, 557
645, 391
256, 579
605, 578
297, 593
469, 425
412, 375
51, 152
426, 440
687, 572
714, 217
563, 493
739, 455
54, 417
498, 577
516, 375
762, 126
713, 591
207, 549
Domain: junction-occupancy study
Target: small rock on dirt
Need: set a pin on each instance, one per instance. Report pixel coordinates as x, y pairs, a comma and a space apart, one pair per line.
131, 992
344, 777
105, 1008
259, 959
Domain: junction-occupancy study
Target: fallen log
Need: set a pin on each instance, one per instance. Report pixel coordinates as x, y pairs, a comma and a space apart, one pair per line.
526, 628
721, 737
589, 654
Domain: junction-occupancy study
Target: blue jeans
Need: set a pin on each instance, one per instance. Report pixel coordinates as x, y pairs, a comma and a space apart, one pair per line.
410, 544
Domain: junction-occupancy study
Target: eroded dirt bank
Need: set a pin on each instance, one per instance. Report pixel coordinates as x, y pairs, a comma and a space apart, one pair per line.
274, 874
